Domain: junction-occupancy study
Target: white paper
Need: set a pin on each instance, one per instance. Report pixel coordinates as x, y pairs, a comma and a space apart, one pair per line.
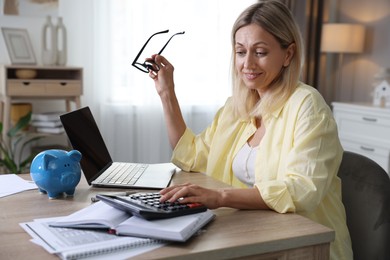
65, 241
101, 214
176, 229
11, 184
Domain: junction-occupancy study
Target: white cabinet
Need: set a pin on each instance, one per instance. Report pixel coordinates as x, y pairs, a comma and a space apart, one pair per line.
365, 129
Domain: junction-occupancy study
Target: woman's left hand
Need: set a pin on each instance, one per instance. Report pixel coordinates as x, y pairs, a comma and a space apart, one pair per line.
187, 193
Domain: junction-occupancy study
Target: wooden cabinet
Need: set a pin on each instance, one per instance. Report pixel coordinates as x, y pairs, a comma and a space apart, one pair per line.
38, 82
365, 129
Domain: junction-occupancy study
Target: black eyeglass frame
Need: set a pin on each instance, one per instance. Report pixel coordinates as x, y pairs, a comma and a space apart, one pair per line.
150, 65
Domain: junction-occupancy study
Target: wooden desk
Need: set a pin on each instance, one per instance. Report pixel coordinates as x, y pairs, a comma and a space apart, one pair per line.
244, 234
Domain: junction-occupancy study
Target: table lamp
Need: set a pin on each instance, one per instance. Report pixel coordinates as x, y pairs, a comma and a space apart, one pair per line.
342, 38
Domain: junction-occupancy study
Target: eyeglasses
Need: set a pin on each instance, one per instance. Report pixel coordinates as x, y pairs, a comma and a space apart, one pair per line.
150, 65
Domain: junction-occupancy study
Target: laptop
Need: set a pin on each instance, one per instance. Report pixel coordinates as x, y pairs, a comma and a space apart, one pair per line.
96, 163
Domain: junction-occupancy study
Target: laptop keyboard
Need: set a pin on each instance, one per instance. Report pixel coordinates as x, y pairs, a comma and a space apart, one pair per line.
122, 173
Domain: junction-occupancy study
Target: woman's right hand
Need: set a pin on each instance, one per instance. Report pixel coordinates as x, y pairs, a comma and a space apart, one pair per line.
163, 78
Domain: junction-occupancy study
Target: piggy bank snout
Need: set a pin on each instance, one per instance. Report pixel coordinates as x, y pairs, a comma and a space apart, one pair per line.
70, 179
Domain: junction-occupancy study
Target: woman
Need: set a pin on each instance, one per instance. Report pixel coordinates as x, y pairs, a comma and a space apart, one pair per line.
275, 140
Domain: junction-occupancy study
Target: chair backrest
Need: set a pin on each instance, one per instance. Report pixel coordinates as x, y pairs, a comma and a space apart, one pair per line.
366, 197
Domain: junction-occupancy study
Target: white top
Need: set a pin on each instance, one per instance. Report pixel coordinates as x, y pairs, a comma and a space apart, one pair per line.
244, 165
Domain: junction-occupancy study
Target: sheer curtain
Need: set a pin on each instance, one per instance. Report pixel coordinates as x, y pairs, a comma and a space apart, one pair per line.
128, 108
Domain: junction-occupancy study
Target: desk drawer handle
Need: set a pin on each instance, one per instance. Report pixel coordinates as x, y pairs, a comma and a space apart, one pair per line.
63, 83
26, 83
370, 119
367, 149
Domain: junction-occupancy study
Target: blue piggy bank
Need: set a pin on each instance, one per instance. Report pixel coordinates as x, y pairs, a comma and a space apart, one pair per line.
56, 171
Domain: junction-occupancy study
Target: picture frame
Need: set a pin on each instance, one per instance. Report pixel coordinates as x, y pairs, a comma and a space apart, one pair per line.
19, 46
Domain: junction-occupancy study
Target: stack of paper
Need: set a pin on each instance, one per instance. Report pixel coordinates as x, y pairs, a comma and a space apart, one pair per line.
101, 215
100, 228
70, 243
48, 122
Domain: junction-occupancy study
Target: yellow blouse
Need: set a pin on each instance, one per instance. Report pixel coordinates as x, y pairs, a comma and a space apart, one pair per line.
296, 164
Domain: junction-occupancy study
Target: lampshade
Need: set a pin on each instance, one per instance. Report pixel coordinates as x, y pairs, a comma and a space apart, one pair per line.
342, 38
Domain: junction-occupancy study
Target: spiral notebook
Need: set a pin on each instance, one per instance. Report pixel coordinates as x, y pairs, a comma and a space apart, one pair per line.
69, 243
84, 233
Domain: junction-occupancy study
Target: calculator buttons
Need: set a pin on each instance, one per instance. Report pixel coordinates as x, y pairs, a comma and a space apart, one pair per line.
149, 206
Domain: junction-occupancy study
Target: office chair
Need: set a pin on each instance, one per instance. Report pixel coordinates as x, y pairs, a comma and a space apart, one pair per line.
366, 197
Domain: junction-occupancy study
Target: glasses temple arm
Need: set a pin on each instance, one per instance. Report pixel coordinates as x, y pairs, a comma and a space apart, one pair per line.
169, 41
146, 43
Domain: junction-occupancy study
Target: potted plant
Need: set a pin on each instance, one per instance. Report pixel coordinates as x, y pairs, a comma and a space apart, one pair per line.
13, 147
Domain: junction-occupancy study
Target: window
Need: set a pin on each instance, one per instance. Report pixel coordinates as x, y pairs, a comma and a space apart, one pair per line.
201, 56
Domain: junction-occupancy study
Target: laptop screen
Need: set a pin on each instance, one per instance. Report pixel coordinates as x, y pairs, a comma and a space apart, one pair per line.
84, 136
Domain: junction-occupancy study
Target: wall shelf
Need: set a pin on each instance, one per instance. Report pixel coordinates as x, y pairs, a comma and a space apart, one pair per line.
44, 82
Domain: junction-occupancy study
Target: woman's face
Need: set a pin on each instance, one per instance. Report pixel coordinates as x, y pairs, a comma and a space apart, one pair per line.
259, 57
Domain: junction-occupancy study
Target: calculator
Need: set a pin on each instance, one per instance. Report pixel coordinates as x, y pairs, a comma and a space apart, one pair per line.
148, 205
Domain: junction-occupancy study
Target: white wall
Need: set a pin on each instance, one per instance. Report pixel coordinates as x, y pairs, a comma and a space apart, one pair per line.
375, 15
358, 70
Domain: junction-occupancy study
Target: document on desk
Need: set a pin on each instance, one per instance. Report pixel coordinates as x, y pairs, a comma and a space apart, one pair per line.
70, 243
11, 184
103, 216
102, 229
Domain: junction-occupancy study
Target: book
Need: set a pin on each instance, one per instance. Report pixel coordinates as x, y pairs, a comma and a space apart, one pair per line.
40, 123
48, 116
50, 130
68, 243
102, 216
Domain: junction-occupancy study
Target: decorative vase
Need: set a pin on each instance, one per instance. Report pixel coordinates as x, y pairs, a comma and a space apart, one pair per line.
61, 42
49, 43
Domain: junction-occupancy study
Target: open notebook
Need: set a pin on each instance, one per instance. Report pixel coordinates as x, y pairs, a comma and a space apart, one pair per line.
96, 163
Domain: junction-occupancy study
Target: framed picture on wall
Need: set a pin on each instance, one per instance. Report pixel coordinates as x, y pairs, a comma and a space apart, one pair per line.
19, 46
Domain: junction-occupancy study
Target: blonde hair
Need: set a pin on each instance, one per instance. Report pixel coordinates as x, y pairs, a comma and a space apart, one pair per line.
275, 18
